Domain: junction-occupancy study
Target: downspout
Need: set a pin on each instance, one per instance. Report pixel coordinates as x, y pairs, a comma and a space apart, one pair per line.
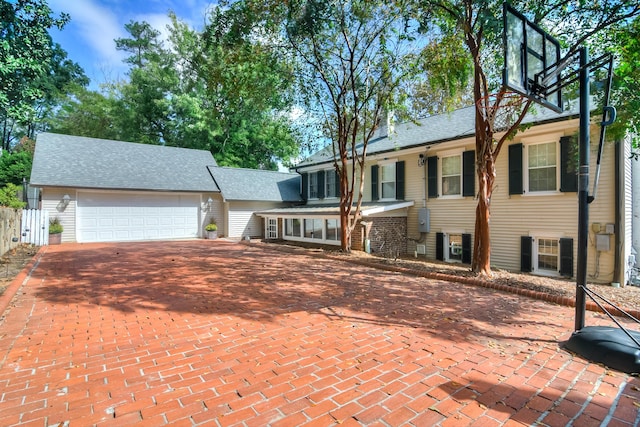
619, 260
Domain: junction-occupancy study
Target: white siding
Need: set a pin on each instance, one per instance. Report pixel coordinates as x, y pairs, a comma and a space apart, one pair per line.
242, 220
215, 212
51, 201
628, 207
516, 215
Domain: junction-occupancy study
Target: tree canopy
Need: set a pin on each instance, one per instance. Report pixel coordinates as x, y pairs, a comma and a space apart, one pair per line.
478, 25
208, 89
34, 69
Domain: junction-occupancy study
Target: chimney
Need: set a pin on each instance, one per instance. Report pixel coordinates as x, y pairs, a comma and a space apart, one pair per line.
385, 127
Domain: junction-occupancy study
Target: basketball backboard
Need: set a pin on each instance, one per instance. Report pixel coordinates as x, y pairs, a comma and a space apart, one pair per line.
530, 55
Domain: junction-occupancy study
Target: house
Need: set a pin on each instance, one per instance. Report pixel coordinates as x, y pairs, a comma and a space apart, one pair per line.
104, 190
420, 197
247, 191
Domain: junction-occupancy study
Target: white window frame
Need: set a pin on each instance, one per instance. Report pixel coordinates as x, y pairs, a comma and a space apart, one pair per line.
330, 184
381, 166
441, 157
548, 139
536, 237
313, 181
326, 228
271, 227
288, 226
447, 246
322, 239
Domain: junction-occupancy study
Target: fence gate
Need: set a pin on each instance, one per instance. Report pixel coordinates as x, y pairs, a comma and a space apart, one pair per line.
35, 227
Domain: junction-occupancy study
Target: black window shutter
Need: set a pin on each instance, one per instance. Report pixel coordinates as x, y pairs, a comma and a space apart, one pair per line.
320, 184
566, 257
469, 173
526, 253
515, 169
466, 248
440, 246
374, 182
337, 183
432, 176
400, 180
305, 186
568, 166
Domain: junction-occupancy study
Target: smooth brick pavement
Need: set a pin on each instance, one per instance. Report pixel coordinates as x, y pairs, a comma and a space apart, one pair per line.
224, 334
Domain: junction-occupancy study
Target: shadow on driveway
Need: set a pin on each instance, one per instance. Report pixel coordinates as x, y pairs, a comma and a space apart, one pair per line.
204, 277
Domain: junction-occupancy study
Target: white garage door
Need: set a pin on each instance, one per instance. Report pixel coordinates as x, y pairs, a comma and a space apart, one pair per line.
118, 217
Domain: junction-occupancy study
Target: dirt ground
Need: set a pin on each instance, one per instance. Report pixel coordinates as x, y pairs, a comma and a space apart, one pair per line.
12, 263
626, 297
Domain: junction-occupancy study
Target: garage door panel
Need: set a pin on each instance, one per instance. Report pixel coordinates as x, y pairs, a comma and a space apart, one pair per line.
124, 217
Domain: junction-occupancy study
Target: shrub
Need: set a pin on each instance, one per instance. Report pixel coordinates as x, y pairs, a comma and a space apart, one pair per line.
9, 197
54, 226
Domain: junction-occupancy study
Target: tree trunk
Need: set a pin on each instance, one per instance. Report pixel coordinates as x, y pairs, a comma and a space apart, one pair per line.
345, 204
345, 236
481, 262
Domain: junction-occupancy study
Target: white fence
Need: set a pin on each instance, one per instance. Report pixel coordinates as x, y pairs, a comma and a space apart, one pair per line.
35, 227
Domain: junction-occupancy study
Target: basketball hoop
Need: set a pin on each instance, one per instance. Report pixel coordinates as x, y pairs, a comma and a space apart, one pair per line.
501, 110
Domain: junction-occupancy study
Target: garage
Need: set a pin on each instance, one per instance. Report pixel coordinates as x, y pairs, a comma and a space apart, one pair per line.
123, 216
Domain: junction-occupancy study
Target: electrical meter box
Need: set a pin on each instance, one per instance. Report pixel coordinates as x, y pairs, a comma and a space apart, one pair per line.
603, 242
424, 225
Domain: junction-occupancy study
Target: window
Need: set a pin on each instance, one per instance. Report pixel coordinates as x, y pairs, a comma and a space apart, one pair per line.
451, 176
542, 167
313, 185
547, 255
330, 178
325, 230
313, 228
333, 229
455, 247
292, 227
388, 181
272, 228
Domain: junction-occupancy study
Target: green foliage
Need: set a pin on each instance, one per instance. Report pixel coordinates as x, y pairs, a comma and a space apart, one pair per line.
87, 113
9, 197
216, 90
14, 167
55, 227
30, 64
211, 227
626, 94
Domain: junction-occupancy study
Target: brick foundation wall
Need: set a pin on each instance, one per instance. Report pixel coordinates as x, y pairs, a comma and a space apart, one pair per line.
388, 236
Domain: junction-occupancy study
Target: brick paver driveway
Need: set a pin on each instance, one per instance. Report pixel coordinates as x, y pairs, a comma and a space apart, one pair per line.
217, 333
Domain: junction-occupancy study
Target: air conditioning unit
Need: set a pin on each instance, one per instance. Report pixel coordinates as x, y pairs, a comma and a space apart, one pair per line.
421, 249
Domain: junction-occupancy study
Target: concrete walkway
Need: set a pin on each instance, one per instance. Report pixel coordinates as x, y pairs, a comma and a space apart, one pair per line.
225, 334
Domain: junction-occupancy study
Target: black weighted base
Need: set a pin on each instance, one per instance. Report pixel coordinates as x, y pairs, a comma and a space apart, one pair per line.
607, 345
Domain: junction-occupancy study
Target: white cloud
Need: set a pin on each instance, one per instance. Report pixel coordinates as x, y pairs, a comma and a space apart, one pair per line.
96, 25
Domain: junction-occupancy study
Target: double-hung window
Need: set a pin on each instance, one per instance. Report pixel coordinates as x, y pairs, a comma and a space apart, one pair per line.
388, 180
330, 178
452, 175
313, 185
548, 255
542, 167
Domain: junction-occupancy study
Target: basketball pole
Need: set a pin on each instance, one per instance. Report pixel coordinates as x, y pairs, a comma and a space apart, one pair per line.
583, 190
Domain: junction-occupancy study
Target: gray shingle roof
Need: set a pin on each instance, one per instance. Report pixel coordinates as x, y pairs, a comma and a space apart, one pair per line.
257, 185
76, 161
435, 129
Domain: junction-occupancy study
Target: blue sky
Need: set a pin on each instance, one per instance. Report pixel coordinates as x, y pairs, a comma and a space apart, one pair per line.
88, 38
